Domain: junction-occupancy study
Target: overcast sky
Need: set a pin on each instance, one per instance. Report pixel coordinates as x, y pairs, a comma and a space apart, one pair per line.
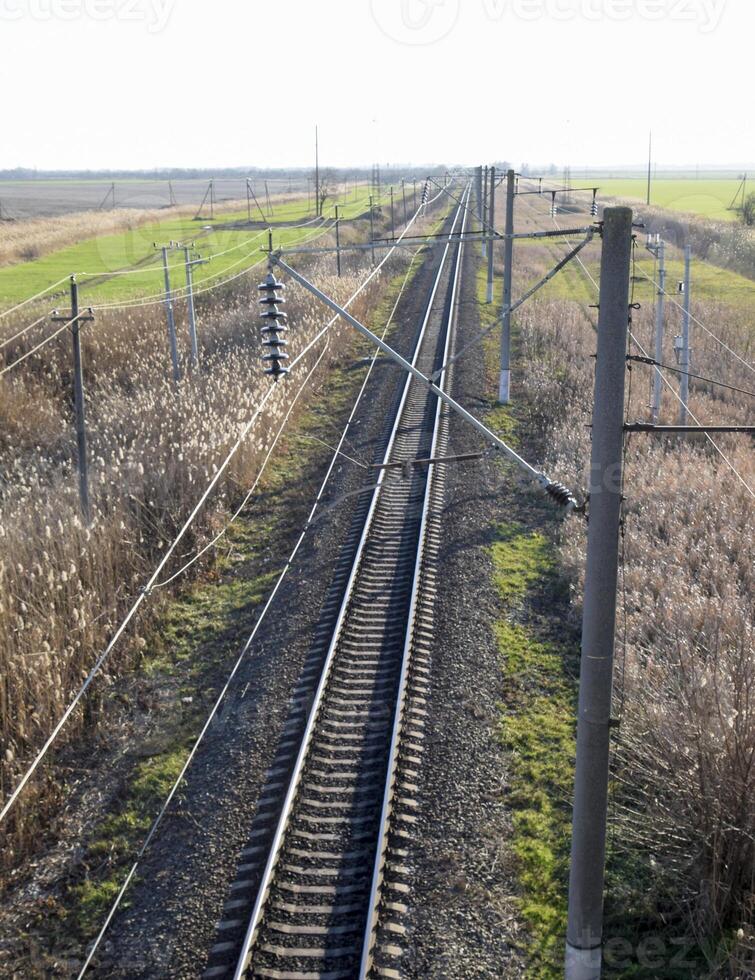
145, 83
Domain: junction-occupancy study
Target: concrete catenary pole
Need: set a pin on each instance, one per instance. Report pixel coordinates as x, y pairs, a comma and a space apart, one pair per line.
504, 383
78, 398
393, 222
318, 210
372, 228
660, 313
484, 210
587, 872
684, 354
478, 191
338, 243
170, 318
491, 224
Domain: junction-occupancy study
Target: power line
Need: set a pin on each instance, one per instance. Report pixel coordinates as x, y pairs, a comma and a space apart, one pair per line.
279, 581
24, 330
32, 298
700, 324
720, 452
674, 393
163, 561
689, 374
42, 343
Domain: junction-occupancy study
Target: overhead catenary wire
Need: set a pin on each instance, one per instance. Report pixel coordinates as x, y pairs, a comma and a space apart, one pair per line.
694, 418
697, 377
10, 803
271, 598
667, 383
700, 324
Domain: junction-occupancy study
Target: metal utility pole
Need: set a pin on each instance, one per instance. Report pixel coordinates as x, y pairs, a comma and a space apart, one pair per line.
338, 243
478, 193
650, 162
504, 383
585, 927
78, 397
169, 315
393, 223
659, 250
212, 199
684, 352
491, 221
403, 193
414, 195
190, 263
372, 229
484, 209
317, 174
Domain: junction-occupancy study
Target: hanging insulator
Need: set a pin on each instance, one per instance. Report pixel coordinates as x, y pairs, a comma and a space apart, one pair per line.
425, 192
594, 205
274, 325
554, 206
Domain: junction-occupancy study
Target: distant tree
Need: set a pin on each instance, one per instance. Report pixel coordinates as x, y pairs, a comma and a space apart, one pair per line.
748, 210
327, 188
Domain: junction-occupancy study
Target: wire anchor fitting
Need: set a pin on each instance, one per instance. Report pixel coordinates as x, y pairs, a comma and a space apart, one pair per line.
274, 326
561, 494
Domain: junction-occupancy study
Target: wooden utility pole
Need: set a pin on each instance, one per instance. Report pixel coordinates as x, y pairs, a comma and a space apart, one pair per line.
76, 319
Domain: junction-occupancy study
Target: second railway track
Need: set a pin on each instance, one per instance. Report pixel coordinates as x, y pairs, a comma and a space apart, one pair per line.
322, 889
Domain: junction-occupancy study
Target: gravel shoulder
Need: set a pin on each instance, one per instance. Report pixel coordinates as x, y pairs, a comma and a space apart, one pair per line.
463, 915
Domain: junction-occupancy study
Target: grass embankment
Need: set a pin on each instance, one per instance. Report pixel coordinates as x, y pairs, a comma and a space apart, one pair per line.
707, 198
135, 247
652, 928
200, 633
538, 713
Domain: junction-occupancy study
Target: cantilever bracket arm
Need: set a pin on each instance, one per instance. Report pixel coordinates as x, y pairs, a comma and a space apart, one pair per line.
557, 491
521, 301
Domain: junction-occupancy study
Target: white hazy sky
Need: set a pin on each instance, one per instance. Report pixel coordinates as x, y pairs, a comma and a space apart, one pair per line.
145, 83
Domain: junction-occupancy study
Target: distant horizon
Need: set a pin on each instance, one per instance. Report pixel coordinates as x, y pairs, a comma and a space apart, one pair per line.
233, 170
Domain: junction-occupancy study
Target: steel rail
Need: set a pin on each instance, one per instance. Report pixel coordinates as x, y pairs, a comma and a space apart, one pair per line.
274, 854
373, 906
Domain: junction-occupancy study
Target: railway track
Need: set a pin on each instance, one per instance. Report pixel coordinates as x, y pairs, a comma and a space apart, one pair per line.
322, 886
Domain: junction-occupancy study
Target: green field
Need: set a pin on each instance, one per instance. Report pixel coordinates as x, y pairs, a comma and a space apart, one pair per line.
707, 198
95, 257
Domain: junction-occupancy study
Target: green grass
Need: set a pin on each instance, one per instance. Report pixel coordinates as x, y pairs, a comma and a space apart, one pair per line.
709, 282
707, 198
111, 253
537, 730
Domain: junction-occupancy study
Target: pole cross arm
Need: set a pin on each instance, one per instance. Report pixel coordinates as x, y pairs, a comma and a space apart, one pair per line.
556, 491
79, 318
